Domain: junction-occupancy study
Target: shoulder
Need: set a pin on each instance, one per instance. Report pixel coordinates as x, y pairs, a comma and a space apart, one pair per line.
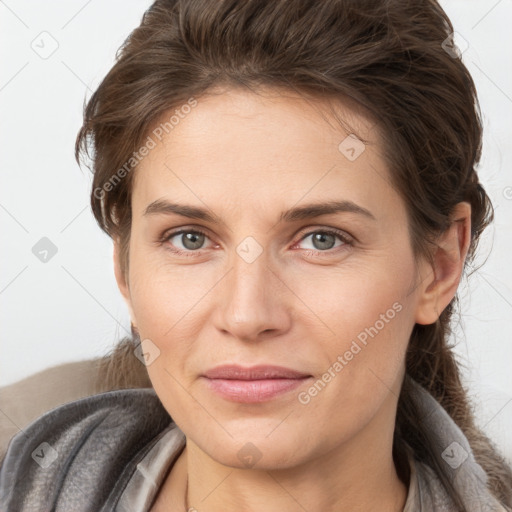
27, 399
81, 452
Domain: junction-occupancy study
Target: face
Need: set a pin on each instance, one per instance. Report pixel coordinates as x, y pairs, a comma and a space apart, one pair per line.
247, 269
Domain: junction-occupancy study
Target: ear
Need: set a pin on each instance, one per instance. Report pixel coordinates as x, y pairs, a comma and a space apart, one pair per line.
439, 288
122, 281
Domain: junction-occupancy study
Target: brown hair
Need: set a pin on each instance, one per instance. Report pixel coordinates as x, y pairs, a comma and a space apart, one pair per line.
389, 57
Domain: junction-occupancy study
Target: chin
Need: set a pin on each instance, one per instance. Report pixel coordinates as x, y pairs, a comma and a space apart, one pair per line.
266, 456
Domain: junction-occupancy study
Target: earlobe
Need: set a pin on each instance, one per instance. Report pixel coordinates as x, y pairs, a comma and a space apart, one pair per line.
121, 279
442, 279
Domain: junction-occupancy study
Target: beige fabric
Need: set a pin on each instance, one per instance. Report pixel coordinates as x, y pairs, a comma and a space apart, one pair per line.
25, 400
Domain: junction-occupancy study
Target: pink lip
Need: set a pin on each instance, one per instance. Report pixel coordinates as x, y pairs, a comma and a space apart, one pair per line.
254, 384
236, 372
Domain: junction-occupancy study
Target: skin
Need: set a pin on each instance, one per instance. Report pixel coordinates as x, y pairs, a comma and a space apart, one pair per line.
248, 157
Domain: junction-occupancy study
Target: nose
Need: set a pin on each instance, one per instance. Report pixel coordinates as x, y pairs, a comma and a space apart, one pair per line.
253, 302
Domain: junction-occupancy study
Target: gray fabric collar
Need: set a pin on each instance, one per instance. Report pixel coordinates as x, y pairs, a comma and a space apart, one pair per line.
466, 475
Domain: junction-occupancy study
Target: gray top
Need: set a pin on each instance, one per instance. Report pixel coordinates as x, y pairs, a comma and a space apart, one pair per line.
112, 451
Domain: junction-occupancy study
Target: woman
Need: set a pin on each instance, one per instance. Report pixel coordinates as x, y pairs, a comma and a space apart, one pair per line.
291, 191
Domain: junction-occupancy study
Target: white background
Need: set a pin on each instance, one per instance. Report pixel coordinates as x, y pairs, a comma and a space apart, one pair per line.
69, 308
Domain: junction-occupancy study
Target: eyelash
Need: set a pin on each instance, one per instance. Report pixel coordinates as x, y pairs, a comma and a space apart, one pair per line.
347, 241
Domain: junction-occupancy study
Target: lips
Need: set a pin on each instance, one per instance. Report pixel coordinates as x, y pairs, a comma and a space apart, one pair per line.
235, 372
253, 384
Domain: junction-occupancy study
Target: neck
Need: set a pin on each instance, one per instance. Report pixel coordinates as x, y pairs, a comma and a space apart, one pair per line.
275, 491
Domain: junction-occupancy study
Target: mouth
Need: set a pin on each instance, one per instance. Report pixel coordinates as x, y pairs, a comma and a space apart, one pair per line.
253, 384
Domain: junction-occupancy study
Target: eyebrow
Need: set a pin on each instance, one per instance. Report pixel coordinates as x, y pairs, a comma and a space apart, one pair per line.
308, 211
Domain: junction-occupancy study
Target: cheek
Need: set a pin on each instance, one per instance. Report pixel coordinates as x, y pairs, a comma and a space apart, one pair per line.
350, 302
171, 308
370, 317
165, 298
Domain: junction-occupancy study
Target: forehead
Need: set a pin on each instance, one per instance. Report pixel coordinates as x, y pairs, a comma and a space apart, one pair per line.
238, 148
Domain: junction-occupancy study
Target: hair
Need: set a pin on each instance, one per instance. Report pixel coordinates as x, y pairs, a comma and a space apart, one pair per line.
388, 56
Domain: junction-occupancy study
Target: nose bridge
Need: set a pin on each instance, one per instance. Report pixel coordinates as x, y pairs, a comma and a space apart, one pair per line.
250, 268
249, 284
251, 302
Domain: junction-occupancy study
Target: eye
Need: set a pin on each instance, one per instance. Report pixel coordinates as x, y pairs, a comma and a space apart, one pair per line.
325, 240
186, 240
189, 241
